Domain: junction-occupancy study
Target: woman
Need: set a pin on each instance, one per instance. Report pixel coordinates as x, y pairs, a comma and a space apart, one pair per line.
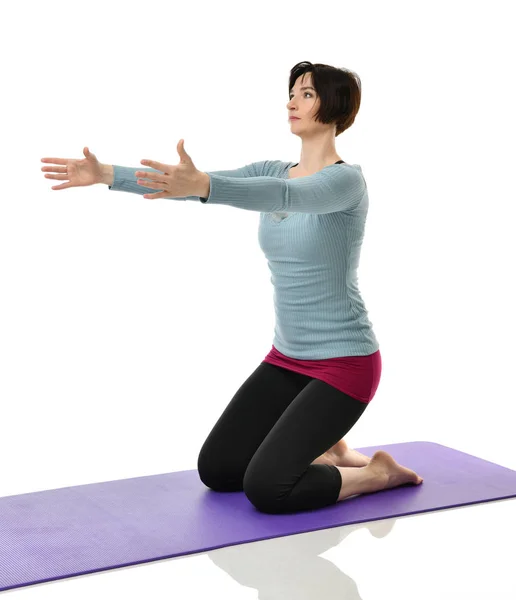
280, 437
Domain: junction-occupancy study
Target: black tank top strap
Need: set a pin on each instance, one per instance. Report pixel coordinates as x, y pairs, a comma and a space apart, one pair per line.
339, 161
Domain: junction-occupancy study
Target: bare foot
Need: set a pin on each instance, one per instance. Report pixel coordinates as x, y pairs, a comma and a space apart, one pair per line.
347, 457
341, 455
395, 475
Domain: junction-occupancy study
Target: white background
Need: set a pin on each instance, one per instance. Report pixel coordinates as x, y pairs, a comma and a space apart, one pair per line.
127, 324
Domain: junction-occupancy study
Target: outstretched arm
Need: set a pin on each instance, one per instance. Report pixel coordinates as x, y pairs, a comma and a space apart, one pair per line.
335, 188
123, 179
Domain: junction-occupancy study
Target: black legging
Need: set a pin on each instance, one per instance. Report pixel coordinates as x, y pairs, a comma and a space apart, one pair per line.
277, 423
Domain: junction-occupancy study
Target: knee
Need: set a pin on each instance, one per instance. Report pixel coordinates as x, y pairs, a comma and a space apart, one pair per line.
209, 473
261, 492
217, 473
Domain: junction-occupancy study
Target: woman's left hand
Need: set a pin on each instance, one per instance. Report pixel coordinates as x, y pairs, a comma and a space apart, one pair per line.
174, 181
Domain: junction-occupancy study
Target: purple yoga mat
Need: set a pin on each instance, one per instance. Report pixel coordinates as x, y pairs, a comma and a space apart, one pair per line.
72, 531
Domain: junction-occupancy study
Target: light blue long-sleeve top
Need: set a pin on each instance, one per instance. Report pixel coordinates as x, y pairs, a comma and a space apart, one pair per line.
311, 231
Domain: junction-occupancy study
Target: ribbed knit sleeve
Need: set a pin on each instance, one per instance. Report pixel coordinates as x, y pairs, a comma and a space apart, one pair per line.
335, 188
125, 179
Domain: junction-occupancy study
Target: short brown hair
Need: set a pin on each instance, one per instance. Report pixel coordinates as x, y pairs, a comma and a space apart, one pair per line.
340, 91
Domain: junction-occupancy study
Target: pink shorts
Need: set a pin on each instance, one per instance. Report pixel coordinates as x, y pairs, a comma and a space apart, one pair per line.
357, 376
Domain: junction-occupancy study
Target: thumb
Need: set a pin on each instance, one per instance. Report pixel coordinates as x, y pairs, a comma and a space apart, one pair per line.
182, 152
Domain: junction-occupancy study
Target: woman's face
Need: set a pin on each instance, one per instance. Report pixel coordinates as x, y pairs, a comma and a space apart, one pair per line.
303, 102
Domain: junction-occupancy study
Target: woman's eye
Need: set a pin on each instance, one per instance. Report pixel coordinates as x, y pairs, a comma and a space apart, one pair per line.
290, 97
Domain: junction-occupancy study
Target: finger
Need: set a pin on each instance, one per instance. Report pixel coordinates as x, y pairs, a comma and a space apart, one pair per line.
62, 186
150, 184
53, 176
149, 175
154, 196
156, 165
55, 169
57, 161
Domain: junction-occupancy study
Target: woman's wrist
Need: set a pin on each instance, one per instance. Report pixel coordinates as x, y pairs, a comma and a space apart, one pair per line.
204, 185
108, 175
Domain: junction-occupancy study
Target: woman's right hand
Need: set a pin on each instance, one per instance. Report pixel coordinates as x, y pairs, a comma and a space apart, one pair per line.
79, 172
